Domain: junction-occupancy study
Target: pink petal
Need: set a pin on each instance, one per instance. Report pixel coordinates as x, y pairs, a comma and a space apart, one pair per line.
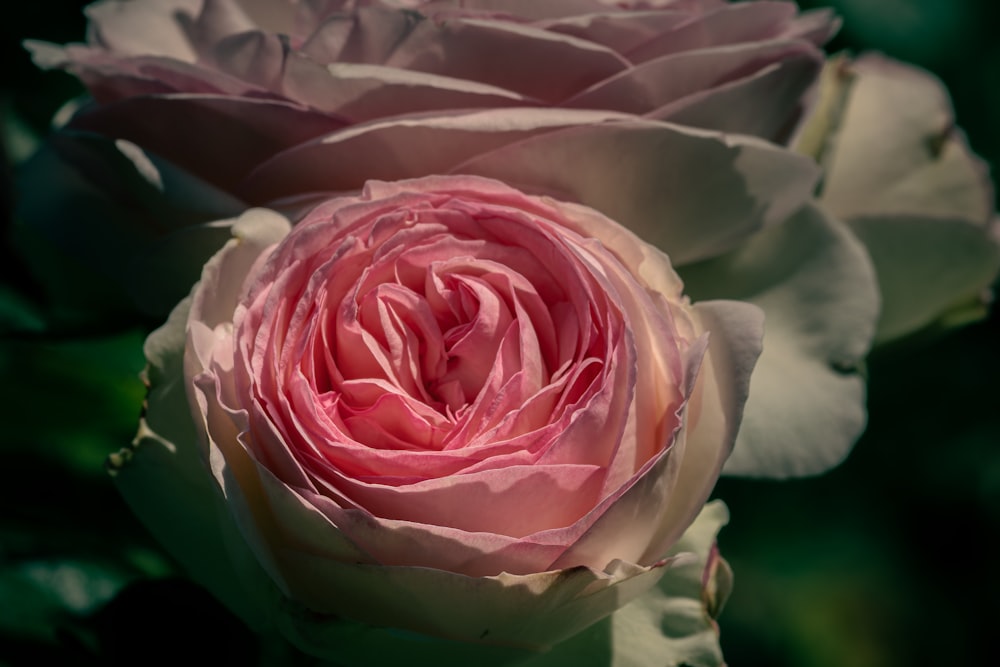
242, 131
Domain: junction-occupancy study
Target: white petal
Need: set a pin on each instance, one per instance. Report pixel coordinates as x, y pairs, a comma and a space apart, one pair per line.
816, 285
692, 193
670, 622
907, 183
896, 150
926, 267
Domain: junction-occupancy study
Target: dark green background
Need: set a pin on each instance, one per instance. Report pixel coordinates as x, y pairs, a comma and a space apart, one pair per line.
888, 560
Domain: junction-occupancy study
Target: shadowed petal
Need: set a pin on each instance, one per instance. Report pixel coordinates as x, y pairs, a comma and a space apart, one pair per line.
816, 286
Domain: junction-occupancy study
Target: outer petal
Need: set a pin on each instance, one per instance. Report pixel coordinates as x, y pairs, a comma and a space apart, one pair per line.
404, 147
715, 412
530, 611
365, 92
467, 48
241, 132
164, 477
671, 621
710, 191
536, 11
922, 203
621, 31
674, 489
817, 288
766, 104
928, 267
922, 165
754, 88
602, 159
166, 484
728, 23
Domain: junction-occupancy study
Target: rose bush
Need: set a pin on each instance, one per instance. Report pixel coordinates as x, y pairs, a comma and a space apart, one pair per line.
440, 406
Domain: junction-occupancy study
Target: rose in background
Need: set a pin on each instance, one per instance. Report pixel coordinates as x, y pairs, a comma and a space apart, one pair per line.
253, 79
446, 407
654, 116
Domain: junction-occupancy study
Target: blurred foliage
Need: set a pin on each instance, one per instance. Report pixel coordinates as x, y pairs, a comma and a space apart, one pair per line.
888, 560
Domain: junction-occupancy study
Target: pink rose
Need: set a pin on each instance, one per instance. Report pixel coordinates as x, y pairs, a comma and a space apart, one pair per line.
251, 79
208, 93
441, 406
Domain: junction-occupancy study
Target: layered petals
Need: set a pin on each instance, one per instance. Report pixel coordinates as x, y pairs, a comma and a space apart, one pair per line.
686, 62
545, 413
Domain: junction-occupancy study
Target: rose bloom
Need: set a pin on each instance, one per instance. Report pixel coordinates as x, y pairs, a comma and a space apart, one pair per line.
232, 102
253, 78
441, 406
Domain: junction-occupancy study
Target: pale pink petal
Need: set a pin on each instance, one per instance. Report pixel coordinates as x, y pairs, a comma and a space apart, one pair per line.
621, 31
713, 190
531, 10
727, 24
766, 104
148, 28
466, 49
367, 92
404, 147
242, 132
661, 81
